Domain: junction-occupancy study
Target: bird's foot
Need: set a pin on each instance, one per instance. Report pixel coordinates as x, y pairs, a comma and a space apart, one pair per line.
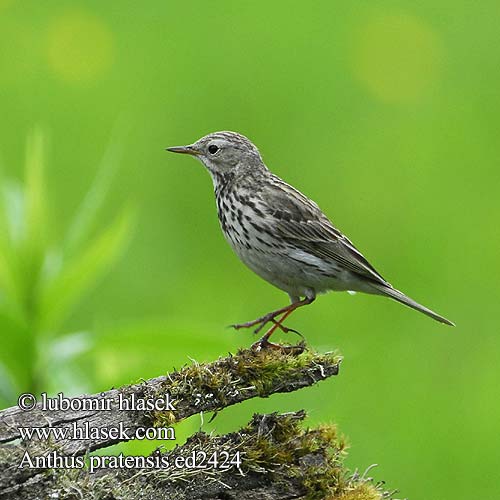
263, 344
261, 322
285, 329
285, 311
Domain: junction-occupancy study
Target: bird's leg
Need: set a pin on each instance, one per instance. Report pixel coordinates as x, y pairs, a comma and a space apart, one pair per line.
287, 310
264, 319
277, 324
264, 343
285, 329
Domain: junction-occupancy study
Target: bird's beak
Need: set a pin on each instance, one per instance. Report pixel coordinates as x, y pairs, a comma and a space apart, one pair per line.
186, 150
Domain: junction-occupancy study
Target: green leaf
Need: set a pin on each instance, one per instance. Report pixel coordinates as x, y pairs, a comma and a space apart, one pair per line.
88, 213
35, 223
28, 224
7, 281
68, 346
81, 272
11, 227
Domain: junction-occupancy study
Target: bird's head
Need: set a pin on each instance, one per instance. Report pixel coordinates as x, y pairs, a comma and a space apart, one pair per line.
224, 152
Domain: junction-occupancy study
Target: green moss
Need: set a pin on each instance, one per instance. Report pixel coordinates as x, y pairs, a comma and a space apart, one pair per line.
361, 491
279, 445
235, 378
164, 418
270, 368
285, 444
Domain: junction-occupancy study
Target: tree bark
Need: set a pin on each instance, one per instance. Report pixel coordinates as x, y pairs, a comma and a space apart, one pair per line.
272, 457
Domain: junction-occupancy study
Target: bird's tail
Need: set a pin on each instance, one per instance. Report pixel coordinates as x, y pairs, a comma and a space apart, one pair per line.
403, 299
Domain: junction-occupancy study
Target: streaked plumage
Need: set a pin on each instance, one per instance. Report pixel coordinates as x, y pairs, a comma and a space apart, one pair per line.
281, 234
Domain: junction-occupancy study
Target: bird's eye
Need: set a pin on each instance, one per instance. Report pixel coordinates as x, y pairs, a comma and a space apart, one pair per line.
212, 149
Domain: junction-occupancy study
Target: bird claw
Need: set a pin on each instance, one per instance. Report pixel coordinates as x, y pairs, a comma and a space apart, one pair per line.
263, 344
285, 329
261, 322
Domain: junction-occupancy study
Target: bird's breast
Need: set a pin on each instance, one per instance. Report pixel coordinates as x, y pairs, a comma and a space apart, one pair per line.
248, 228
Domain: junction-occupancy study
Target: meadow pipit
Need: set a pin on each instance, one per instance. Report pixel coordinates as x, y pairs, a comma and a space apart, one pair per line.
281, 234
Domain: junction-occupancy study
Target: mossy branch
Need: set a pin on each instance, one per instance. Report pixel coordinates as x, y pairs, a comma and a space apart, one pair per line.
282, 461
194, 388
279, 459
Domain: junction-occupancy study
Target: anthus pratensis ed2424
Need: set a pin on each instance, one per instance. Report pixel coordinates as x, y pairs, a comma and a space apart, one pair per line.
281, 234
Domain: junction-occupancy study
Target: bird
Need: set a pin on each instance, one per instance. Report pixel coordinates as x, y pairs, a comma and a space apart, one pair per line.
282, 235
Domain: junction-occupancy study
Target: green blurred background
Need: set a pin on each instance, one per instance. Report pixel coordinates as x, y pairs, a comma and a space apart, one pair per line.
112, 264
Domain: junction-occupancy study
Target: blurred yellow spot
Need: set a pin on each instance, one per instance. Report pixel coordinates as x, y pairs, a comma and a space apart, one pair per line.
79, 46
4, 3
397, 57
108, 368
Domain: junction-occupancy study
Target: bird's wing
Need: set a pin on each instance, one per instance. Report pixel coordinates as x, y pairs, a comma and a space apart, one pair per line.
297, 218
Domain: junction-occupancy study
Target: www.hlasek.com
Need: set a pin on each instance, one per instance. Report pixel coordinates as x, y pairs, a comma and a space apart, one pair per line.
105, 435
87, 432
